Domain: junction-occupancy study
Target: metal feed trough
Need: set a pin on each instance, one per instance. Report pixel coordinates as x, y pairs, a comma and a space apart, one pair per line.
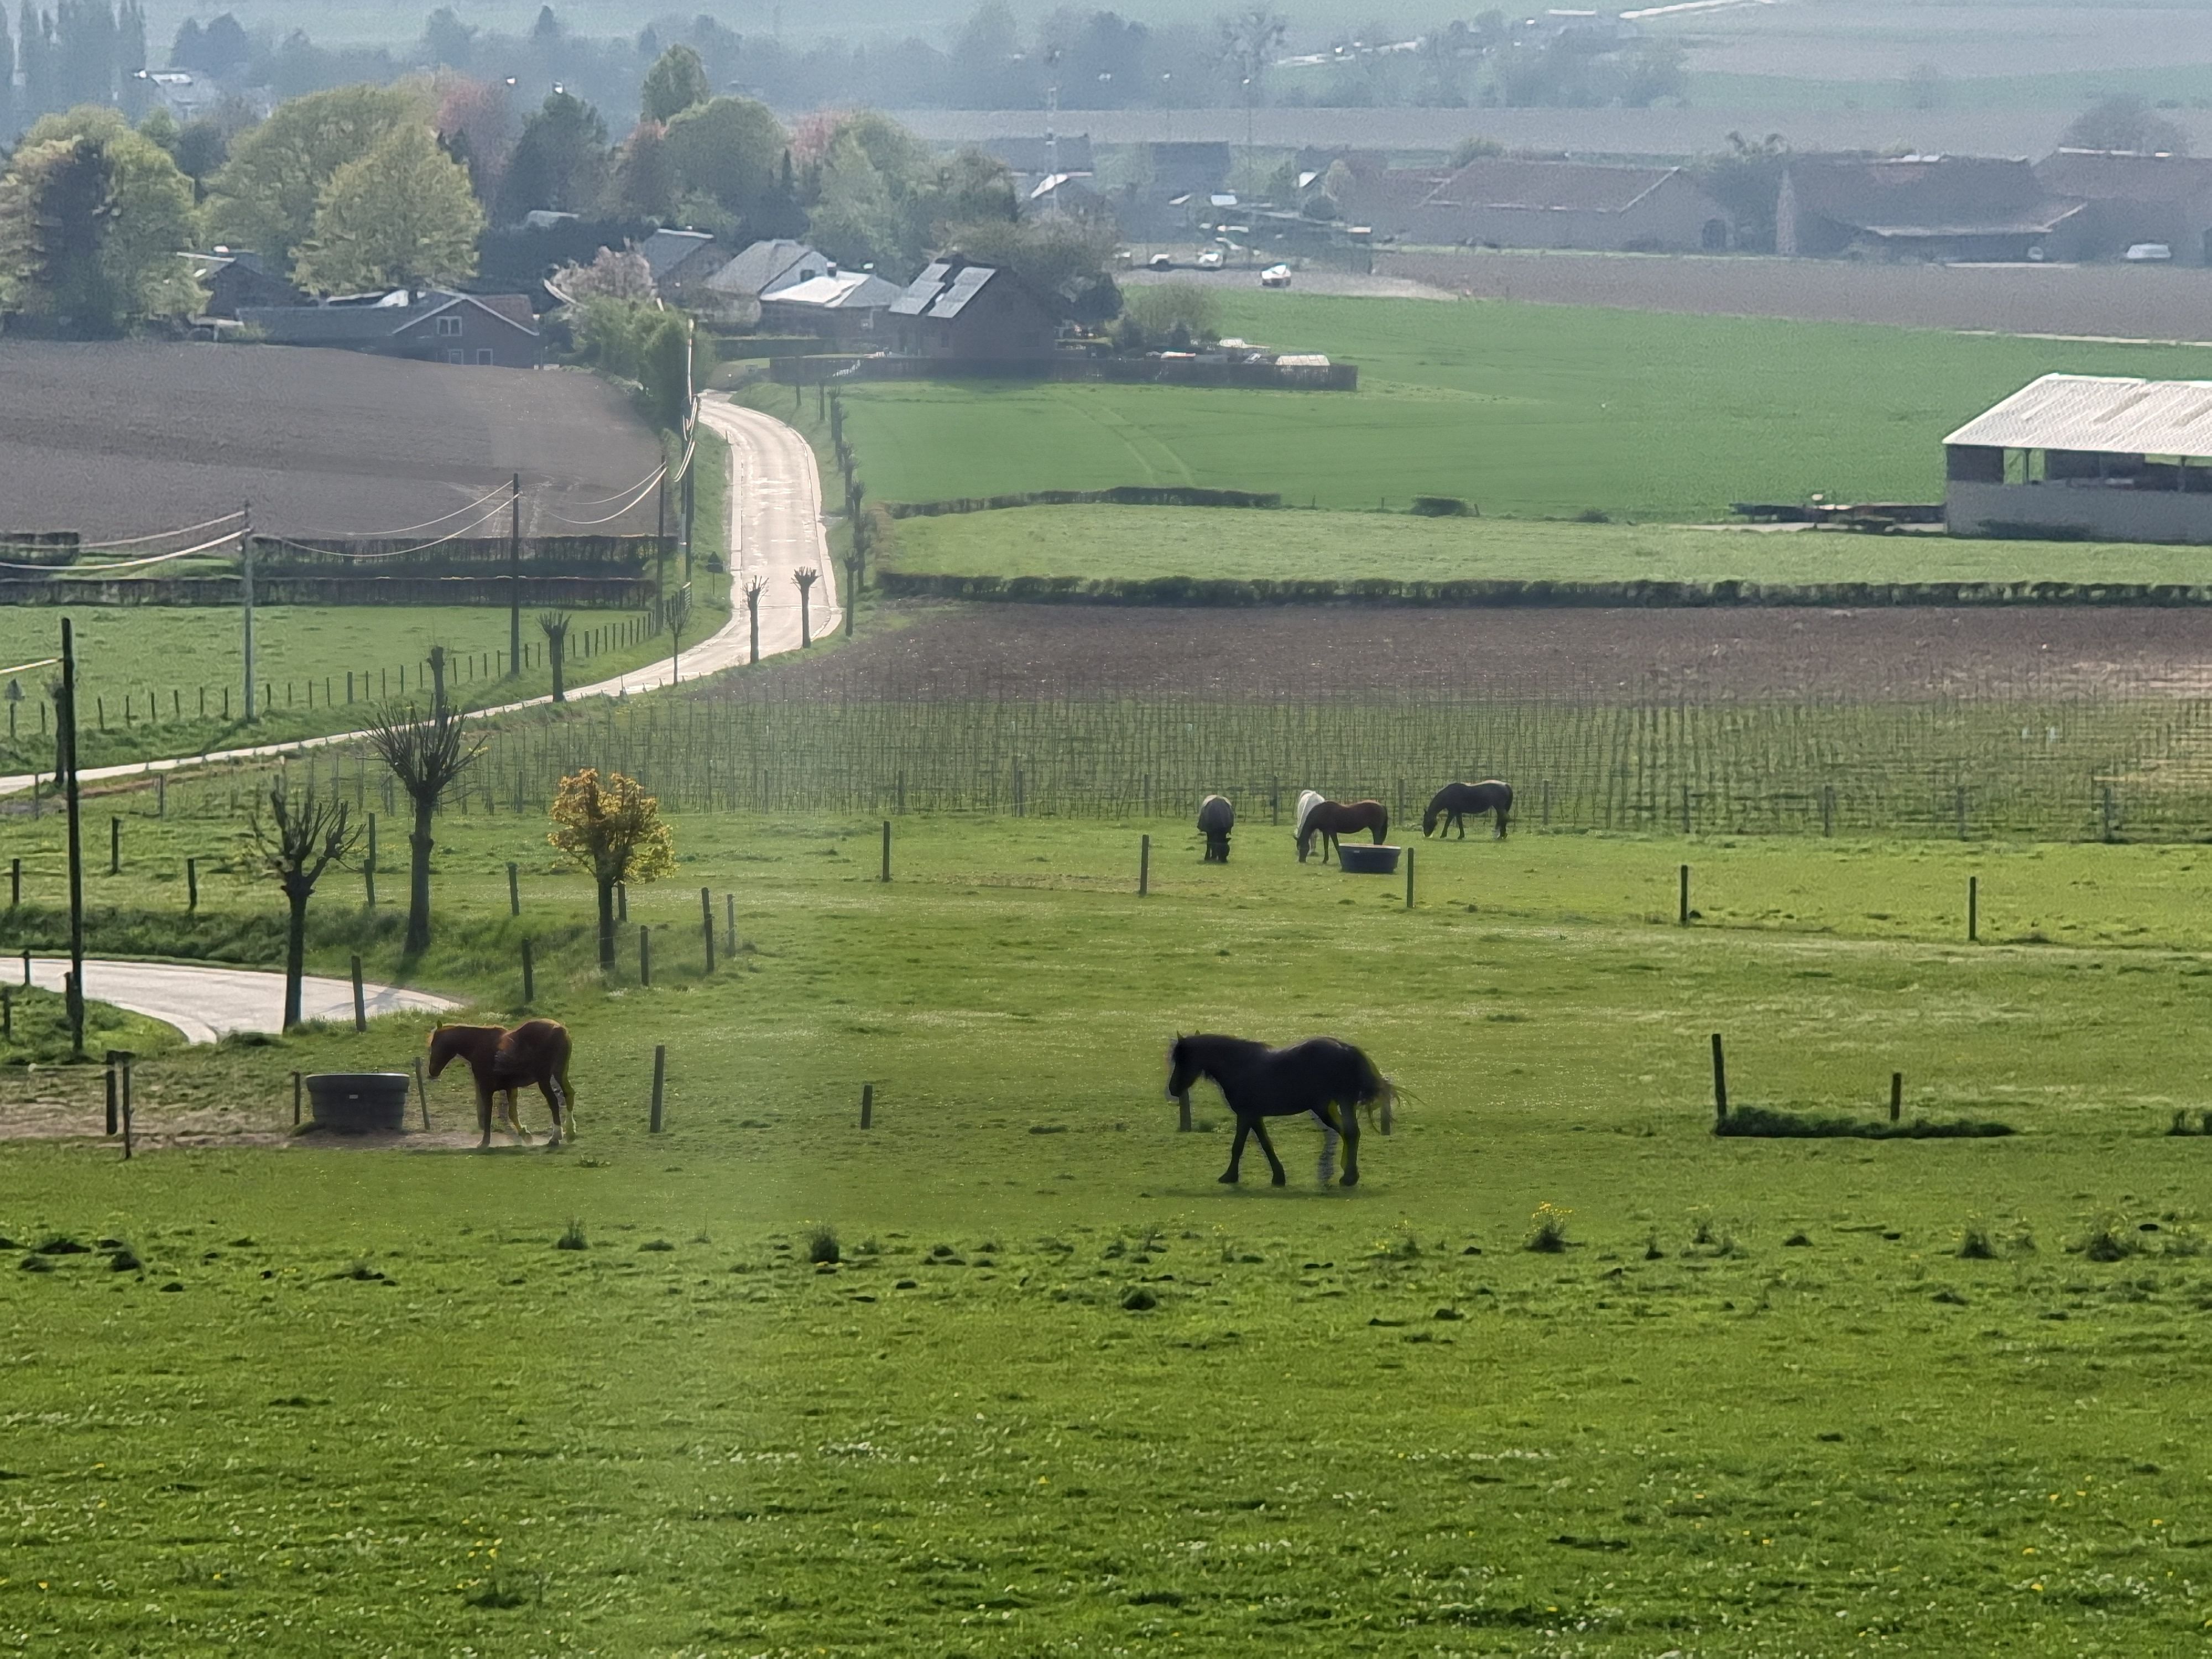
1366, 859
359, 1102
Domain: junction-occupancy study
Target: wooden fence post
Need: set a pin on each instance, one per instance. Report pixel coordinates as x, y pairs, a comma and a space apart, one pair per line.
867, 1104
513, 890
1144, 865
1720, 1082
422, 1091
115, 846
1683, 915
114, 1101
707, 923
644, 954
1409, 878
887, 849
659, 1081
126, 1107
2108, 813
1973, 908
15, 885
1896, 1094
730, 916
360, 1002
191, 886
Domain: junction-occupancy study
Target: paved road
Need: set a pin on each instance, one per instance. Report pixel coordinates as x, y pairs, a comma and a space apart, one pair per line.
209, 1003
775, 528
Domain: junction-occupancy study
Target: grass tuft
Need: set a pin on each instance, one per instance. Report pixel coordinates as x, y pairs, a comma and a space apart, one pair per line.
572, 1237
2111, 1237
1974, 1243
822, 1244
1547, 1230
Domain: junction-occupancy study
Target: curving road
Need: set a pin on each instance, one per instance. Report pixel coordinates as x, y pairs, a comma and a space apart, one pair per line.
775, 528
207, 1003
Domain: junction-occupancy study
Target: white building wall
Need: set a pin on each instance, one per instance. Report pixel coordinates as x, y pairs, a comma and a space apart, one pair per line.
2107, 514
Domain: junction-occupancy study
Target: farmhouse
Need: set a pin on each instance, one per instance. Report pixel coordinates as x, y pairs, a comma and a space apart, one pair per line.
2127, 200
1915, 207
234, 279
1502, 201
957, 309
681, 261
2088, 456
481, 330
838, 304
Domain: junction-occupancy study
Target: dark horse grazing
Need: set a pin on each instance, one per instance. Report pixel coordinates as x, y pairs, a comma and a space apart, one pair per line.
1320, 1075
534, 1054
1216, 816
1455, 800
1330, 818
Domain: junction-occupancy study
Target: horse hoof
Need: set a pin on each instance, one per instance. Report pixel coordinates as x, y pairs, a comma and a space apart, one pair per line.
1351, 1178
1229, 1180
1282, 1181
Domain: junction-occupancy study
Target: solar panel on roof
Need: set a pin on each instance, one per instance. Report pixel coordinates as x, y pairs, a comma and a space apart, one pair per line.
965, 287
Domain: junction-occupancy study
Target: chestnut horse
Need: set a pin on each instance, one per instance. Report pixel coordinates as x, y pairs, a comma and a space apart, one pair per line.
533, 1054
1325, 1076
1329, 819
1455, 800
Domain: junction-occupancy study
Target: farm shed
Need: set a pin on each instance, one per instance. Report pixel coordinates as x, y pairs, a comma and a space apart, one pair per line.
481, 330
2128, 197
838, 304
681, 261
1502, 201
2088, 456
957, 310
233, 279
1915, 207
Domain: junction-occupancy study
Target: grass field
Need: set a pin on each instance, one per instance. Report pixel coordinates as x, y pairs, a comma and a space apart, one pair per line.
1138, 543
1760, 1405
1527, 410
181, 662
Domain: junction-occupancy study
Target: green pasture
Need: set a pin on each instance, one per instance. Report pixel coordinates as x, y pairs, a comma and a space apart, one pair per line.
356, 1400
1527, 410
152, 679
1138, 543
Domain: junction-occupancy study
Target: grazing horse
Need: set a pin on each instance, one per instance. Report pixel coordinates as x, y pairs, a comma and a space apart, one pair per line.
1455, 800
1323, 1075
534, 1054
1216, 816
1329, 819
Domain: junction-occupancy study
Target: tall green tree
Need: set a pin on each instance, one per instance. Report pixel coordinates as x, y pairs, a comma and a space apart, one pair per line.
92, 218
676, 81
269, 192
404, 213
725, 153
559, 162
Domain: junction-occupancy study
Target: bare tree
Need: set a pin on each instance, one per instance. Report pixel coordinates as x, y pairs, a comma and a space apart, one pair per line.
806, 576
426, 754
754, 586
553, 624
676, 610
295, 843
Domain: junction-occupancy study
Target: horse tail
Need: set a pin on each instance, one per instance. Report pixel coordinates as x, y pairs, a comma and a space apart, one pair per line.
1373, 1091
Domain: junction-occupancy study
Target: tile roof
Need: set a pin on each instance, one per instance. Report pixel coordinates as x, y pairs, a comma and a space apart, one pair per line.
1499, 181
760, 267
1925, 195
665, 250
2124, 175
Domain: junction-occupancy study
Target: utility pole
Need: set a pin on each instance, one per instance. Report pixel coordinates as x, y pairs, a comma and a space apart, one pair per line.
245, 590
514, 580
65, 762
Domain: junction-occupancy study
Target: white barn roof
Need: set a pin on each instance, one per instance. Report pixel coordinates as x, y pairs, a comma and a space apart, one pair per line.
2099, 413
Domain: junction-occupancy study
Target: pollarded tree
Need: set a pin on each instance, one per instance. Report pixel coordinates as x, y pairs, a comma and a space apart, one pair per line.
426, 754
553, 624
403, 214
298, 841
612, 831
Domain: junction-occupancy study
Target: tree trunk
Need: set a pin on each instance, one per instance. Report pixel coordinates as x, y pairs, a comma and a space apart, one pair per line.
295, 957
558, 647
418, 878
607, 923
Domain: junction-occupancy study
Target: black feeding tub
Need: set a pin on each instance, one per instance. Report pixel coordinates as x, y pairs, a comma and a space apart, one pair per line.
1366, 859
359, 1102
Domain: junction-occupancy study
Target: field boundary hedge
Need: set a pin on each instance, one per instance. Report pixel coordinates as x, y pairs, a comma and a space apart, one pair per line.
1119, 495
1228, 592
582, 592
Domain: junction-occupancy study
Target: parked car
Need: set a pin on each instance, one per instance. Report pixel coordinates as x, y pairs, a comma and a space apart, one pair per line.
1275, 276
1160, 262
1210, 259
2147, 254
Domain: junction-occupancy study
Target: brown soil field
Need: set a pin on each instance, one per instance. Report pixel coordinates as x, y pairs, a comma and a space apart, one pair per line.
117, 439
1017, 652
2128, 303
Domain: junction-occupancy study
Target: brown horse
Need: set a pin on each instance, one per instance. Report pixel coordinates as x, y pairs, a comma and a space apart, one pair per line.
533, 1054
1329, 819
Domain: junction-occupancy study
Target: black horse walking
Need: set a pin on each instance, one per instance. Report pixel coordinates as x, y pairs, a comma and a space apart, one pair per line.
1455, 800
1323, 1075
1216, 816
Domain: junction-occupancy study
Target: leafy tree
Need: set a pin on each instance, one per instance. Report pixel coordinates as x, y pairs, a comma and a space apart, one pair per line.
477, 128
268, 193
448, 41
296, 844
428, 754
92, 216
2125, 122
638, 341
612, 831
1180, 312
676, 81
559, 162
403, 214
1063, 257
644, 183
1747, 180
1474, 148
726, 151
